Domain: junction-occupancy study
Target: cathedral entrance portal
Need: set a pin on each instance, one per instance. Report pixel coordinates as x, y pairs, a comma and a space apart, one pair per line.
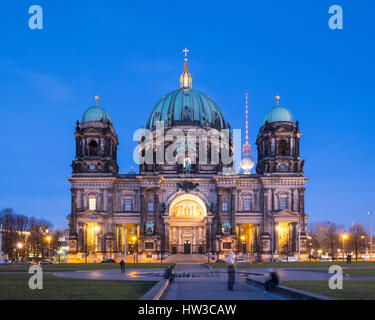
187, 247
187, 225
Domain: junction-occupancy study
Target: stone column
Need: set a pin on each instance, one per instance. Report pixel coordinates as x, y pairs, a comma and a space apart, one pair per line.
73, 212
233, 211
266, 210
208, 235
301, 196
105, 200
255, 237
294, 237
156, 212
81, 240
100, 202
85, 202
73, 231
219, 210
193, 240
78, 200
143, 212
82, 200
179, 242
276, 237
292, 200
166, 237
110, 204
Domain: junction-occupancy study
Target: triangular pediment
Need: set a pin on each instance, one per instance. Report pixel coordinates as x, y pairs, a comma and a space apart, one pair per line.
90, 214
285, 213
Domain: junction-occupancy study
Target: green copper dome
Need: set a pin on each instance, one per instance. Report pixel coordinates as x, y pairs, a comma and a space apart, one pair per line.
96, 114
186, 106
278, 114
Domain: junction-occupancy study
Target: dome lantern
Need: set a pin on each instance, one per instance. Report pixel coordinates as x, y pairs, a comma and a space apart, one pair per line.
186, 80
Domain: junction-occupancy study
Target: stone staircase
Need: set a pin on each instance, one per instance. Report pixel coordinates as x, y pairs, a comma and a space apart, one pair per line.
187, 258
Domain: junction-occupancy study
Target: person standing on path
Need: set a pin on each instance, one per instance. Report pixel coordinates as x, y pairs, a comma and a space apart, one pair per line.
231, 270
122, 266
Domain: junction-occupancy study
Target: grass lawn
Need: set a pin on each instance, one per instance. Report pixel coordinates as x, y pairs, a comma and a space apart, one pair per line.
83, 266
353, 272
15, 287
352, 290
294, 264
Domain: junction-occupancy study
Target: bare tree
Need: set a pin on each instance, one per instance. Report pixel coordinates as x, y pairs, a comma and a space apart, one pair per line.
325, 236
358, 236
19, 228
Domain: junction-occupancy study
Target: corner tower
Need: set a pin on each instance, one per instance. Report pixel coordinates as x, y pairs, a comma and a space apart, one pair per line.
96, 143
278, 143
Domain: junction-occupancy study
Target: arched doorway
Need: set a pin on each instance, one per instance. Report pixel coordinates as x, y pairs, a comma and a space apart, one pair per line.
187, 225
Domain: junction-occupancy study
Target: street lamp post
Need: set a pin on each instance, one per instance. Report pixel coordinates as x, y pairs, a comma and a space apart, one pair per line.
370, 214
344, 237
48, 239
19, 246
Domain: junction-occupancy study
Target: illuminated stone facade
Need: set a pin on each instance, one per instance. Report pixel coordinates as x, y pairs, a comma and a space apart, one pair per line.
169, 209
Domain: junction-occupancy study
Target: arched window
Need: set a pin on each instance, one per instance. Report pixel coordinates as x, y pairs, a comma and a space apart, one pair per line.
93, 148
247, 204
92, 203
281, 148
283, 203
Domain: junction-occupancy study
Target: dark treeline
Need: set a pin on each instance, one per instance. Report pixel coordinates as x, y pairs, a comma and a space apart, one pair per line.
327, 236
24, 236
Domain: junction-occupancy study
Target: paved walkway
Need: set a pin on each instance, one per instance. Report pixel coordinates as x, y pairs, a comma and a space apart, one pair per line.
211, 288
196, 282
131, 274
196, 271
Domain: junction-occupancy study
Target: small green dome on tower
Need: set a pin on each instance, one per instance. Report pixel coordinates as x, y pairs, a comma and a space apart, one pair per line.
278, 114
96, 114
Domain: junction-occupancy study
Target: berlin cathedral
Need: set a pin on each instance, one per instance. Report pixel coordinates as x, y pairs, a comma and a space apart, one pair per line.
187, 197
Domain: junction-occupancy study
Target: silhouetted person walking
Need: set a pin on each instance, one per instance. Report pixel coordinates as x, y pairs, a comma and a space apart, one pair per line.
231, 270
349, 258
169, 274
122, 266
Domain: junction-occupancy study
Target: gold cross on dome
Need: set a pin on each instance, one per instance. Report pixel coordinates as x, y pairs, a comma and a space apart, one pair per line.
185, 51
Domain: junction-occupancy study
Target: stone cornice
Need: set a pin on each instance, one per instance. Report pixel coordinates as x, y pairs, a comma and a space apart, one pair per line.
283, 181
236, 181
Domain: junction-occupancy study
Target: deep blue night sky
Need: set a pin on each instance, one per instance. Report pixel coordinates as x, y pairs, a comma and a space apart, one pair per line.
129, 52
